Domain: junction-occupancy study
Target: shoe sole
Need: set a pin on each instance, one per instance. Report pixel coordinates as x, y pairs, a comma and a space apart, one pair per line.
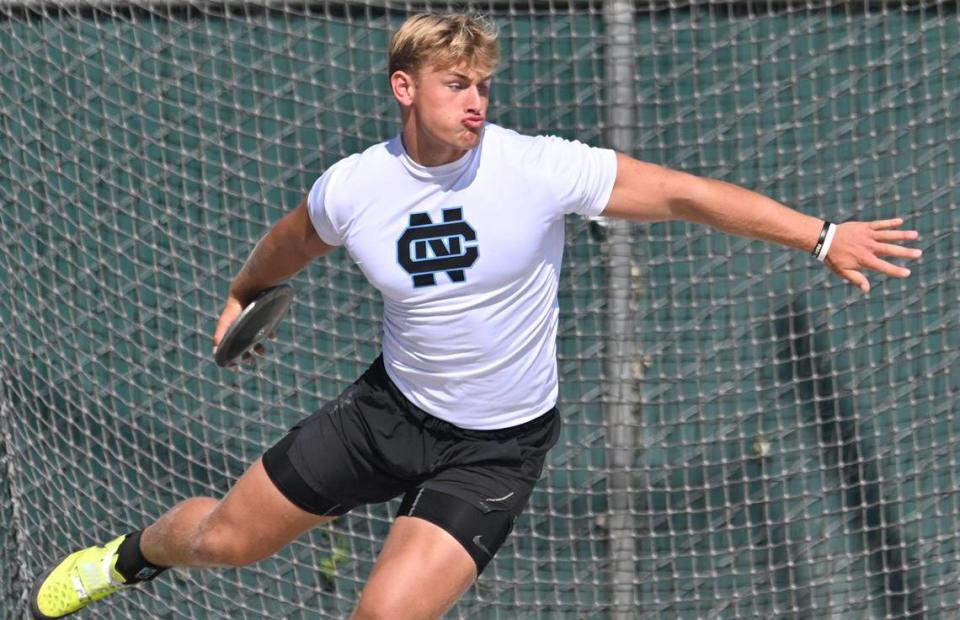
35, 591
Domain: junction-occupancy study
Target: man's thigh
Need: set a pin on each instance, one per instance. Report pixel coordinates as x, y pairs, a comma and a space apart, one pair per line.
420, 574
257, 516
482, 483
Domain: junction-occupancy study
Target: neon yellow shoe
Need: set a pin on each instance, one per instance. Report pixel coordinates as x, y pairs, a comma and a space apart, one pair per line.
82, 578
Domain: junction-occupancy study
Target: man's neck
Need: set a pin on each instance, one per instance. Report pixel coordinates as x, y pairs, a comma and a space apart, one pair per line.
425, 150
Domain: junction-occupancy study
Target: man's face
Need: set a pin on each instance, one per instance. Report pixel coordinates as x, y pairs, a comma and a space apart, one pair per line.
451, 104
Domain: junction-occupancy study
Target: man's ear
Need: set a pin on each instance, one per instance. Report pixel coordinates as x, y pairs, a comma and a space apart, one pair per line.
403, 87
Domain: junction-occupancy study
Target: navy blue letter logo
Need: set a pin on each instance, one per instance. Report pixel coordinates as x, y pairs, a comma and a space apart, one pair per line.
426, 248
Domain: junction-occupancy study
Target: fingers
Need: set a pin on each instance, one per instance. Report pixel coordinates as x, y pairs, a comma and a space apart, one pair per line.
884, 224
247, 359
861, 246
896, 235
856, 278
886, 268
250, 357
231, 310
881, 234
897, 251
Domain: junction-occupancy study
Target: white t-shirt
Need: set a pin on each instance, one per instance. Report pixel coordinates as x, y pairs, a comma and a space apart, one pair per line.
467, 257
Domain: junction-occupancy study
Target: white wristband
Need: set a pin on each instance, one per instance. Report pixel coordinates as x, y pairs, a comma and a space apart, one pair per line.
831, 231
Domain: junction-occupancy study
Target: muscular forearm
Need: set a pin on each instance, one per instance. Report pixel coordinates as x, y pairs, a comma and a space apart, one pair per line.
739, 211
286, 249
269, 263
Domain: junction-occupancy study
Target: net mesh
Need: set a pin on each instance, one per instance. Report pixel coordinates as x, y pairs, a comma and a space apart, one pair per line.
784, 447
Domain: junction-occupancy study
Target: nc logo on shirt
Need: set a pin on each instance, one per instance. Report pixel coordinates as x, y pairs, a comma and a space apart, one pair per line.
426, 248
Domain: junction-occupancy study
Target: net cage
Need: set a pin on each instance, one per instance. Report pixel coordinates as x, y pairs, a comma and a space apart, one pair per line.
745, 435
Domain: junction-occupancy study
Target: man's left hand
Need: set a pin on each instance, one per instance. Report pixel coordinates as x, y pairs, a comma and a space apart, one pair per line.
858, 246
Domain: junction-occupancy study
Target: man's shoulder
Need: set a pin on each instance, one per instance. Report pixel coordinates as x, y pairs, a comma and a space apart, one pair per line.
516, 141
510, 149
513, 148
366, 163
374, 155
499, 134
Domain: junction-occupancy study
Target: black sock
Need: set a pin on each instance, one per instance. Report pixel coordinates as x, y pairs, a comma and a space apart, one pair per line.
130, 561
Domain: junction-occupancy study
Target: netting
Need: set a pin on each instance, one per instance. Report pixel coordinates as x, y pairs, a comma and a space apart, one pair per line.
745, 436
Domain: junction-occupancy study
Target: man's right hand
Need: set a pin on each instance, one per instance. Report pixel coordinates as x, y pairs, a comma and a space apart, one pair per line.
231, 310
282, 252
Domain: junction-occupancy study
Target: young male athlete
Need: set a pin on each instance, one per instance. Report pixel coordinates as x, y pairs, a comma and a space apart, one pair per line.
459, 223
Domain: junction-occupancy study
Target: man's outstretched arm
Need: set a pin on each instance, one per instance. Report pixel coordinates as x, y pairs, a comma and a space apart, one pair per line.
648, 192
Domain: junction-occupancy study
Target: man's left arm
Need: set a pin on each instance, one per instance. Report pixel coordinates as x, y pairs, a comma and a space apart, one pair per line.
648, 192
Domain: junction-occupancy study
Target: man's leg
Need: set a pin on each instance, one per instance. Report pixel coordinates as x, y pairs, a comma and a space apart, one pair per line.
421, 572
252, 522
448, 529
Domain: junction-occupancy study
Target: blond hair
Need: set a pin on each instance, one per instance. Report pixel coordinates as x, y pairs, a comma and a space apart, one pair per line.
444, 41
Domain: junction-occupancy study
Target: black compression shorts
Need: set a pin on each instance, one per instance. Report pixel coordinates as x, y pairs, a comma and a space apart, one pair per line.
372, 444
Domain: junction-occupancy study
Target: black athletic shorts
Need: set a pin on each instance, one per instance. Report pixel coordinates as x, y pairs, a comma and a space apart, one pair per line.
371, 444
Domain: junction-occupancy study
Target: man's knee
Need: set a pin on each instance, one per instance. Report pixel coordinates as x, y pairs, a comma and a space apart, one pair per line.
219, 545
390, 599
380, 608
385, 603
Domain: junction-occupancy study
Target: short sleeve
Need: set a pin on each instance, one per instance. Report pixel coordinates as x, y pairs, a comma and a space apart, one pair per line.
582, 175
319, 210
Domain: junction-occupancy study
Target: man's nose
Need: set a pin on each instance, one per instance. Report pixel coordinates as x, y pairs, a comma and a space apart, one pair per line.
474, 99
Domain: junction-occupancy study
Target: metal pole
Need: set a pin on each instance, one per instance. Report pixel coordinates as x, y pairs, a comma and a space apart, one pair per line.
16, 588
621, 401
